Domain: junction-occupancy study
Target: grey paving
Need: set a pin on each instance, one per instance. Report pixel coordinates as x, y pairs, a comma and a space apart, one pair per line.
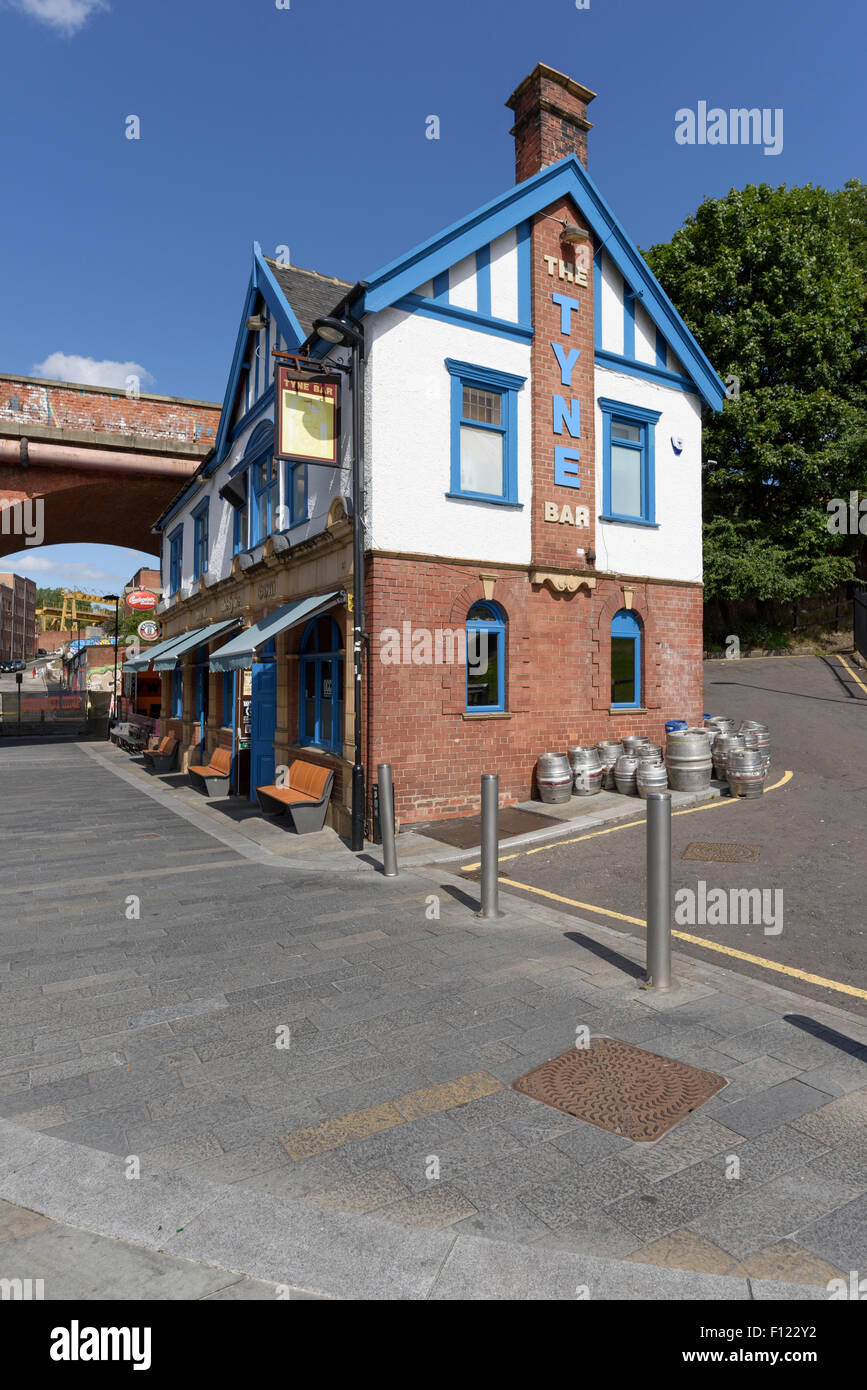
157, 1039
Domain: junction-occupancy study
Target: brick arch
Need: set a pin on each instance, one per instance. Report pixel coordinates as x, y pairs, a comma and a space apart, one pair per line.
601, 647
509, 596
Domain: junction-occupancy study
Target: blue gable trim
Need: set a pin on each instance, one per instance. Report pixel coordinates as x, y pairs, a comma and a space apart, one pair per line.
567, 178
645, 370
501, 328
262, 281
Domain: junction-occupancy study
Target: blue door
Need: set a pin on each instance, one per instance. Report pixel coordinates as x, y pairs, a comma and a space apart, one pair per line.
263, 720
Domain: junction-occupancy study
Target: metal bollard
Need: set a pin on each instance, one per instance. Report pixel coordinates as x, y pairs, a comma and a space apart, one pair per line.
386, 820
490, 846
659, 891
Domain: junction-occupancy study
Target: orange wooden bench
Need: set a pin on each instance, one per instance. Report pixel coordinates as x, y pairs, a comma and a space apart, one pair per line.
213, 777
161, 758
304, 796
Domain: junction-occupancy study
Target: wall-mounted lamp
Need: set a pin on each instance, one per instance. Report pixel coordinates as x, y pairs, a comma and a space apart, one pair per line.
572, 233
256, 322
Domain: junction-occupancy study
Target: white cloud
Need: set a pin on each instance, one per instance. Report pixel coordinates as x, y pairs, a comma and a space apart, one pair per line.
86, 371
64, 16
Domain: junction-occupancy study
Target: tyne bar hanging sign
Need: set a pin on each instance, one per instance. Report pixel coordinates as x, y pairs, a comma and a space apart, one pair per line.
307, 424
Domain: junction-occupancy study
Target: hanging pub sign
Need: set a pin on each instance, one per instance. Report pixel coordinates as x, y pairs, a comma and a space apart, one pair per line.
306, 416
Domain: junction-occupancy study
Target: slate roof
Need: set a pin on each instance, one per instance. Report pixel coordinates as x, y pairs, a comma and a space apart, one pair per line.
310, 295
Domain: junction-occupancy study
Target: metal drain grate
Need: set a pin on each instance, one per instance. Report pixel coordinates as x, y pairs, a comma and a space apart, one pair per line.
722, 853
621, 1088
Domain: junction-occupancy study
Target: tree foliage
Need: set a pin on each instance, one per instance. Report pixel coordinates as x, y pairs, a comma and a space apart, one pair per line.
773, 283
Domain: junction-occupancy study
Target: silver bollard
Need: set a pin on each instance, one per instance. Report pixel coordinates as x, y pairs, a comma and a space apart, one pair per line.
658, 891
490, 846
386, 819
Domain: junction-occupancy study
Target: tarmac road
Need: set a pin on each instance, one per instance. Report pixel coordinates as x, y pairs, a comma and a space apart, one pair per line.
810, 832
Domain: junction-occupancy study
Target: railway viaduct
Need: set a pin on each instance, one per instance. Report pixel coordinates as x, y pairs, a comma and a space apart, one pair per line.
103, 464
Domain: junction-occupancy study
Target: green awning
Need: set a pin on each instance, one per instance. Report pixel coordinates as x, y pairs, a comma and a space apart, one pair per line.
240, 651
167, 661
144, 659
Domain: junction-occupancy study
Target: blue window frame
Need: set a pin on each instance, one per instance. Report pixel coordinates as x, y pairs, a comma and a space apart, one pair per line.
200, 539
178, 693
486, 659
484, 433
321, 693
176, 555
295, 494
625, 661
628, 478
228, 699
239, 523
265, 478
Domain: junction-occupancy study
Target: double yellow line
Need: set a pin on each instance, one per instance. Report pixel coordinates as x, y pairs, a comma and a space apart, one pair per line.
844, 663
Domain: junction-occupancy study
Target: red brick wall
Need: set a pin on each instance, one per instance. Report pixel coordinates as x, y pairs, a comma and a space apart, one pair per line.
557, 679
65, 407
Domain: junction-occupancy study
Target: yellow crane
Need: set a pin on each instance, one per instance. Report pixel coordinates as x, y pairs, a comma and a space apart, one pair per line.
66, 616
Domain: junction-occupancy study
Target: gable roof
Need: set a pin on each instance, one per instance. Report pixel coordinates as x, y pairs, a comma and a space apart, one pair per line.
310, 294
567, 177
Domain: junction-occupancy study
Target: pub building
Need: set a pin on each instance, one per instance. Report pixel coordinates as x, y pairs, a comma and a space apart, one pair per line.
528, 430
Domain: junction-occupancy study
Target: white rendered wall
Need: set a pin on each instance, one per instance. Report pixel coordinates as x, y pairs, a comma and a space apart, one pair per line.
463, 293
645, 335
612, 307
504, 277
673, 549
408, 442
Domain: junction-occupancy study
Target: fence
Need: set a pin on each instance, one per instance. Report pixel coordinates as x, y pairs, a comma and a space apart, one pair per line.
860, 621
41, 711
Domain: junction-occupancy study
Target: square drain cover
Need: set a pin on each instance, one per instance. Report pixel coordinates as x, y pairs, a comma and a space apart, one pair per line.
722, 853
621, 1088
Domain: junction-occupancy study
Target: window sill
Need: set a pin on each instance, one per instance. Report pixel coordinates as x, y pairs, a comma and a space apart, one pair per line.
629, 521
488, 714
627, 709
483, 497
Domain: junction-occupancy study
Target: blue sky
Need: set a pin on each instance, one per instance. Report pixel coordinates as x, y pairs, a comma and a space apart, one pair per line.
305, 126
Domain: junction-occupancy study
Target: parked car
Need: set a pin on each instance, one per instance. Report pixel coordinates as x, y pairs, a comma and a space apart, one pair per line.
20, 665
7, 666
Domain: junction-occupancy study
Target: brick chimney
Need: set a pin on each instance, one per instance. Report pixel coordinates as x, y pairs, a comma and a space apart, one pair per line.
550, 120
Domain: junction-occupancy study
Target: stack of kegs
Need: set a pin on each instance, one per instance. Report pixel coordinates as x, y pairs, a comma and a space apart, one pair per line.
722, 746
746, 775
720, 723
587, 772
554, 778
625, 773
762, 740
688, 759
651, 775
609, 751
633, 743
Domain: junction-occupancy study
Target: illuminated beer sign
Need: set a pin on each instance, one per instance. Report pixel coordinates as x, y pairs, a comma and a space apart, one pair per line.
306, 417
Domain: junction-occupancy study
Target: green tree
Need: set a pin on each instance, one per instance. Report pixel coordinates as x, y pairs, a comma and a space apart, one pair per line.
773, 282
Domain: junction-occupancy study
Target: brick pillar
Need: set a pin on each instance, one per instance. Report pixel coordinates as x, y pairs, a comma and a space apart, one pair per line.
564, 486
550, 120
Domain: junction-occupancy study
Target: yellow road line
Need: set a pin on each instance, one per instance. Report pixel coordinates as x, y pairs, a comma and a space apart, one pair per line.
696, 941
852, 673
627, 825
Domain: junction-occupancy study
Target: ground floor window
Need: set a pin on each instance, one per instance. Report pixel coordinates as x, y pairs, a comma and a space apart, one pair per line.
228, 703
178, 693
321, 695
486, 659
625, 660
